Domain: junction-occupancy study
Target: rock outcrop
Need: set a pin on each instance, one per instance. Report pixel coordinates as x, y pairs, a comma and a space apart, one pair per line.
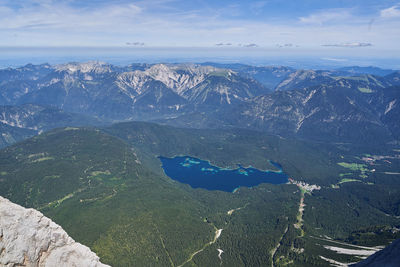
387, 257
28, 238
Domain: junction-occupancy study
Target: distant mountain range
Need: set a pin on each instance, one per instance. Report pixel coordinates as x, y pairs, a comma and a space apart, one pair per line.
327, 105
347, 110
355, 70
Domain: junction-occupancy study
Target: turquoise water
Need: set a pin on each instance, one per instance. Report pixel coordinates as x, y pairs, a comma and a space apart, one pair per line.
201, 174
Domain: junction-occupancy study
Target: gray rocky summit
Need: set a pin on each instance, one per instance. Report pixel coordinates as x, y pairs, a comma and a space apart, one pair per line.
28, 238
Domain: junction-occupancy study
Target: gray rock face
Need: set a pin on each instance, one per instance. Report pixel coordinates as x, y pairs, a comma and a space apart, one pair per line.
387, 257
28, 238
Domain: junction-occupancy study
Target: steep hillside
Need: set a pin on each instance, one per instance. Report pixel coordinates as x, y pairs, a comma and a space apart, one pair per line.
269, 76
357, 70
179, 78
332, 113
223, 88
389, 256
27, 72
11, 134
394, 78
302, 79
21, 122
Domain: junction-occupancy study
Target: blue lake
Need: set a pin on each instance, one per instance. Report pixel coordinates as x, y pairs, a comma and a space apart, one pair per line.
201, 174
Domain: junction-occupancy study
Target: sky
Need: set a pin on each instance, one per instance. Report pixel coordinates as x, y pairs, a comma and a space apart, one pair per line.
335, 28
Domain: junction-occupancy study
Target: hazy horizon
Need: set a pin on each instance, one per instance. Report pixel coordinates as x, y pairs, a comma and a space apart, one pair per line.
309, 58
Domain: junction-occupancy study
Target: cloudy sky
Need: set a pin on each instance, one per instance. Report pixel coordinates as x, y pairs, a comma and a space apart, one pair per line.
291, 24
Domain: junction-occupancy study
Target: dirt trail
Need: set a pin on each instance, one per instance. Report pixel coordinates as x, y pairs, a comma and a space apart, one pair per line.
217, 235
230, 212
273, 251
299, 223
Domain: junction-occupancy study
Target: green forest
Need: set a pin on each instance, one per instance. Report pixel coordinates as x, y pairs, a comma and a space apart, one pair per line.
106, 188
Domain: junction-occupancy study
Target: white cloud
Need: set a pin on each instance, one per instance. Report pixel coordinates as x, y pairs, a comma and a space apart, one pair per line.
351, 45
334, 59
257, 6
252, 45
54, 15
57, 23
334, 15
135, 43
391, 12
285, 45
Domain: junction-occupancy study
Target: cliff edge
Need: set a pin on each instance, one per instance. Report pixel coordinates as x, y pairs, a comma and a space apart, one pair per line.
28, 238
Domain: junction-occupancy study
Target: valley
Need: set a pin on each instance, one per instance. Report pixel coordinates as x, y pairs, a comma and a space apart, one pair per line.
172, 133
206, 164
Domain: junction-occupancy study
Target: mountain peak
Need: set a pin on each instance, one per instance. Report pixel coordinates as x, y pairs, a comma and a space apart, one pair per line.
86, 67
180, 77
304, 78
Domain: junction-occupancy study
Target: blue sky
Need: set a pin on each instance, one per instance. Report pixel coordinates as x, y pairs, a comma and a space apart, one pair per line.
351, 26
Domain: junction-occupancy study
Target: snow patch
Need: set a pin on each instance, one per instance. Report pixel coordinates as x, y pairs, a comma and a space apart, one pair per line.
310, 95
346, 251
390, 106
220, 251
335, 263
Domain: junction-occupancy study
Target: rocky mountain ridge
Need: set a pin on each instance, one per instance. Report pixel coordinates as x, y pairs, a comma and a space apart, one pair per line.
323, 113
310, 104
118, 93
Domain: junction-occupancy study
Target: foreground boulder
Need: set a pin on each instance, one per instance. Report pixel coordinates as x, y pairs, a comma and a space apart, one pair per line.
28, 238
